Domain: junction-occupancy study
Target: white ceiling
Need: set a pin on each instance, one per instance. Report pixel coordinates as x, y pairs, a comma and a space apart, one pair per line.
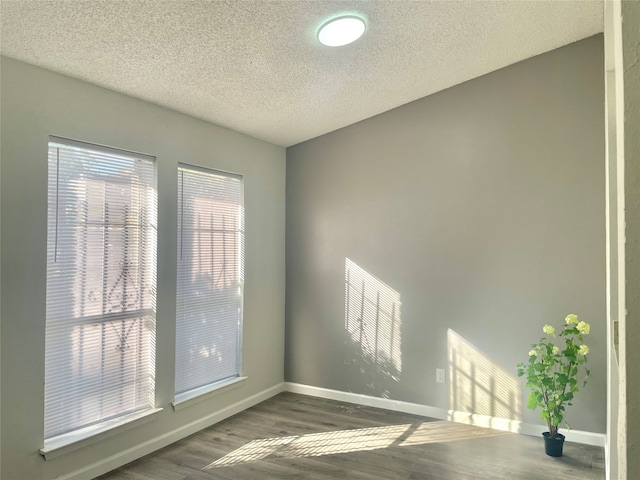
256, 67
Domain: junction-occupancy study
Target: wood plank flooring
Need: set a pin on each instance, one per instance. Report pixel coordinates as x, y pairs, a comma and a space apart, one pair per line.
294, 436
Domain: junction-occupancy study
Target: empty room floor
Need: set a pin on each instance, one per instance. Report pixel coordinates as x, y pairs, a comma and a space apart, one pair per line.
297, 436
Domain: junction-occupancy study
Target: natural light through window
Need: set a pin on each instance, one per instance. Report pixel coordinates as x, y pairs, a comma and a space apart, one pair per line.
210, 278
348, 441
373, 331
479, 386
101, 285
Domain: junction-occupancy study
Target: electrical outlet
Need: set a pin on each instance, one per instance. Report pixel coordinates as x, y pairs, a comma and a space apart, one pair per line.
439, 375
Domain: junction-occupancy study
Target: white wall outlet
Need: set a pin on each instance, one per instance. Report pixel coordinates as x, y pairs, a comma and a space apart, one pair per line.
439, 375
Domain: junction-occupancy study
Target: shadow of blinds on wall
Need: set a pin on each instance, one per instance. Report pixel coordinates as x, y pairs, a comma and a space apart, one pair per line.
373, 332
101, 285
210, 278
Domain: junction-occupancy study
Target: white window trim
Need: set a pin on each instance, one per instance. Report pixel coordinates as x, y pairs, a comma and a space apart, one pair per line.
63, 444
197, 395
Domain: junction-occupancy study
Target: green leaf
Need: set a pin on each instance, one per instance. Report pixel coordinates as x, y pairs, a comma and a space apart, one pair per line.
532, 401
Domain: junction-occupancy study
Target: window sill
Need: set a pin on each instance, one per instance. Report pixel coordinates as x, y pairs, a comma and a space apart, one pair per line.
68, 442
203, 393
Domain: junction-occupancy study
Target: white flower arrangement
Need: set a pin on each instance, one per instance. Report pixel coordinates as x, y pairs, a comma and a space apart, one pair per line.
552, 372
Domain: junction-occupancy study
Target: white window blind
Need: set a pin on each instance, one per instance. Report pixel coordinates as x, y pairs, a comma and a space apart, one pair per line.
210, 278
101, 285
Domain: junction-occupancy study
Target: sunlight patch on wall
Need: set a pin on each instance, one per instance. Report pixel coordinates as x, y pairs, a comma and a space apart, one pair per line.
479, 386
372, 331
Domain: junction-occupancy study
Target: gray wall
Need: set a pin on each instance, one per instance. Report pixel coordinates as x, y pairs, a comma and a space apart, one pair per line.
483, 208
37, 103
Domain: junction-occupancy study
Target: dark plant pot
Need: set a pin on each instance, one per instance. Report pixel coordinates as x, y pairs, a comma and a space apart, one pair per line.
553, 446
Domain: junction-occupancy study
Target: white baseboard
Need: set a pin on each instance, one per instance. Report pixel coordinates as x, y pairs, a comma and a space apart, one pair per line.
503, 424
369, 401
531, 429
110, 463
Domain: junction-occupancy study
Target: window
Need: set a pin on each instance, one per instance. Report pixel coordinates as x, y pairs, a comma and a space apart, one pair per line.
101, 286
210, 279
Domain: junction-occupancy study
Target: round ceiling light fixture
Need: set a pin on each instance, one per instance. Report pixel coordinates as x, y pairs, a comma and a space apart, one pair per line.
341, 31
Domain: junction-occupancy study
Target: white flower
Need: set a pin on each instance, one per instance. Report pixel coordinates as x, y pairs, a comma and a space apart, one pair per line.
584, 328
583, 350
532, 353
549, 330
571, 319
555, 350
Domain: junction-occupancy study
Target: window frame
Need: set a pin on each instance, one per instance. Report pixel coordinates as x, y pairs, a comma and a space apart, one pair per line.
145, 246
193, 395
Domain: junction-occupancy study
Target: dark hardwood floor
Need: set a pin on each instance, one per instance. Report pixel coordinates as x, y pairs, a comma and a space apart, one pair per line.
296, 436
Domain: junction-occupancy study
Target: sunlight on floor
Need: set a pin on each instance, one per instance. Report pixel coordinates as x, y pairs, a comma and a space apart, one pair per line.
348, 441
442, 432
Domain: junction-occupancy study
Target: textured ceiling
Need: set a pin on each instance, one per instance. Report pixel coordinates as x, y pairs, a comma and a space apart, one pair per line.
256, 67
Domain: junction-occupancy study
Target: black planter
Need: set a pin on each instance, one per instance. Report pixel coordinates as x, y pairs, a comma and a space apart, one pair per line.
553, 446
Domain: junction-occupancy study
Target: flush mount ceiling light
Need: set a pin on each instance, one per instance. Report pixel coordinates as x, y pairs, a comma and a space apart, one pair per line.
341, 31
